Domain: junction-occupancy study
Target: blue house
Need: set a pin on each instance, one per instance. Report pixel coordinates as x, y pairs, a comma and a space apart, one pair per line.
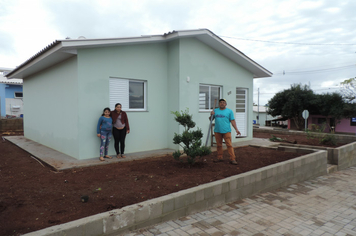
11, 103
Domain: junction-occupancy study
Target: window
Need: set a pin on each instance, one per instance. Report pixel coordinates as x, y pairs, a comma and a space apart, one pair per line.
18, 95
207, 96
130, 93
353, 121
321, 121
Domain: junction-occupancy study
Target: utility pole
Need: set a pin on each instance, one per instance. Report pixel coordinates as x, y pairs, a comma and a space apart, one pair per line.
258, 106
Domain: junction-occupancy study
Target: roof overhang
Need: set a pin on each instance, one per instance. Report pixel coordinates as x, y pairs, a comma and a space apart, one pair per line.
61, 50
279, 119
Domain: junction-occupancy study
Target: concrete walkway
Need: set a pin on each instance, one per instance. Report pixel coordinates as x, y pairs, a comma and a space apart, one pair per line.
322, 206
61, 161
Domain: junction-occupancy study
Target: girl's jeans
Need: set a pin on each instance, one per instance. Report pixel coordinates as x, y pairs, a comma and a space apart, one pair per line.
105, 137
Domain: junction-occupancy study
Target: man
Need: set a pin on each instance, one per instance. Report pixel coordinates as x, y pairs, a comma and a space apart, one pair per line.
223, 117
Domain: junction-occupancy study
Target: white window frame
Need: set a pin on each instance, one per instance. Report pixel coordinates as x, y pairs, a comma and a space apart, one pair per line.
18, 96
119, 93
210, 86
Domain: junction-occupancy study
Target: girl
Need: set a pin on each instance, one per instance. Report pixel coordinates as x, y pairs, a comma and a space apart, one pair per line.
121, 128
103, 131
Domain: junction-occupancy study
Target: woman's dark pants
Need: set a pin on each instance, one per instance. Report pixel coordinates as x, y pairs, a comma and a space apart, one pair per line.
119, 136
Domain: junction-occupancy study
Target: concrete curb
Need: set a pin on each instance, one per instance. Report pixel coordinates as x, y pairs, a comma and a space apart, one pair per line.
195, 199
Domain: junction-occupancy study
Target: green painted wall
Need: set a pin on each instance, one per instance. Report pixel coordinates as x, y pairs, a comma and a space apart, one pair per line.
144, 62
51, 110
205, 65
173, 91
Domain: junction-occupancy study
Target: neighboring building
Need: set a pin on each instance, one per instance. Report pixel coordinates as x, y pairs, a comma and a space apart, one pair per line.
70, 82
260, 116
346, 125
11, 103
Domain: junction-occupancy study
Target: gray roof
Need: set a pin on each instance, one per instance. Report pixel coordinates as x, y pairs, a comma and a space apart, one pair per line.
10, 82
61, 50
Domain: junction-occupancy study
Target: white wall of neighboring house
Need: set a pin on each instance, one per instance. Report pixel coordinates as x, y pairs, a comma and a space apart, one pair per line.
261, 111
14, 106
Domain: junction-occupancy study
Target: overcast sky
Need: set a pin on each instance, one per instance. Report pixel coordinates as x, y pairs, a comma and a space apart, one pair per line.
308, 42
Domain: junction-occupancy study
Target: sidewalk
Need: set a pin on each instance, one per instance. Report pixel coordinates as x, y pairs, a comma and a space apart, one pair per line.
322, 206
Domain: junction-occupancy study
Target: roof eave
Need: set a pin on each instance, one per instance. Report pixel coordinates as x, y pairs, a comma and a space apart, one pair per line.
40, 62
64, 49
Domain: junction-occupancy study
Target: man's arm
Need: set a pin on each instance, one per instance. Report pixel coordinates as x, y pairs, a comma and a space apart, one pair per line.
235, 127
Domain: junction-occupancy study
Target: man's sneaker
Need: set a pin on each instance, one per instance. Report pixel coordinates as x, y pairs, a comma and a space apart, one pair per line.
218, 160
233, 162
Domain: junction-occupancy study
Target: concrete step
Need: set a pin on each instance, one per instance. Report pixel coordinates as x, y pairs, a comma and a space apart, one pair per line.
331, 168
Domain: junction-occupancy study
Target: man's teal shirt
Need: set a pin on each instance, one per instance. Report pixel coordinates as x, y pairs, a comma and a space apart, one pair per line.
223, 120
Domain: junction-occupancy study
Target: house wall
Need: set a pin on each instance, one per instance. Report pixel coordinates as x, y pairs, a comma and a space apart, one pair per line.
205, 65
14, 106
342, 126
11, 89
263, 117
345, 127
148, 129
173, 91
7, 99
11, 101
51, 111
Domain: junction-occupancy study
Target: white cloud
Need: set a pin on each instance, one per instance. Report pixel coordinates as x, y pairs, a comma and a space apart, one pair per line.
26, 27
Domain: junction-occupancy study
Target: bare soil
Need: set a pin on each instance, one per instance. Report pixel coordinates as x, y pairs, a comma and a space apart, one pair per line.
296, 139
34, 197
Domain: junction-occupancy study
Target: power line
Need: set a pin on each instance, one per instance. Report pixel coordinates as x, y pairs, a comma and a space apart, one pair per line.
315, 71
312, 89
314, 44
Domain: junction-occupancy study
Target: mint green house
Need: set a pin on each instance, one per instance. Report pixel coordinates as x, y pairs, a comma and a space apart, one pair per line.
68, 84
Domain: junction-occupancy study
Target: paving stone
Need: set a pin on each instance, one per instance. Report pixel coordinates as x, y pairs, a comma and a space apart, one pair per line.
321, 206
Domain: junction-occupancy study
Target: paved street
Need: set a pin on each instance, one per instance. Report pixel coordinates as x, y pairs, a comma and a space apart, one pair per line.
322, 206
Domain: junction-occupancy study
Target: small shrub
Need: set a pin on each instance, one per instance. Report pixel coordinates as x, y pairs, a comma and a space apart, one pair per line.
189, 140
317, 131
328, 140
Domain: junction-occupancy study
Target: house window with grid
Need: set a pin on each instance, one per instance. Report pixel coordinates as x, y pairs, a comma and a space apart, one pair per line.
207, 96
130, 93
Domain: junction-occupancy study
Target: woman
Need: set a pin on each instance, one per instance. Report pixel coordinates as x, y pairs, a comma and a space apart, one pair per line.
121, 127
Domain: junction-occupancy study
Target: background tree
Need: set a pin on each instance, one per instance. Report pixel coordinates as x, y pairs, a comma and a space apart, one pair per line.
290, 103
348, 89
330, 105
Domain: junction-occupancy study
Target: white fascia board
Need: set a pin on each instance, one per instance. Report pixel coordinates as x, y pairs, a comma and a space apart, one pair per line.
80, 43
87, 43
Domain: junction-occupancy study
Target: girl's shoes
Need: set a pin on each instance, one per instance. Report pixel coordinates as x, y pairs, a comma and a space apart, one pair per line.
118, 155
101, 159
108, 157
123, 156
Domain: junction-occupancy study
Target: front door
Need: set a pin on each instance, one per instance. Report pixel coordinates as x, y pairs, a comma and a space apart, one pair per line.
241, 111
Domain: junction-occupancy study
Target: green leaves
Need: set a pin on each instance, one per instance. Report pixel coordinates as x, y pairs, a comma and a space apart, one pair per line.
290, 104
189, 140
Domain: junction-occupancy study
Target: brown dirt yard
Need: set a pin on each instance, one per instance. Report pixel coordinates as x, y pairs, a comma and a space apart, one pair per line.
297, 139
34, 197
